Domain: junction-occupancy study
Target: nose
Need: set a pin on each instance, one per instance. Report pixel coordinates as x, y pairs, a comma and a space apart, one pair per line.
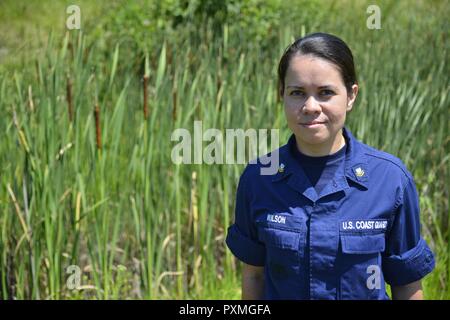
311, 106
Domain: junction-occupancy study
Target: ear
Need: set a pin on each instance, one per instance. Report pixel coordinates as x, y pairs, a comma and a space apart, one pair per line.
352, 97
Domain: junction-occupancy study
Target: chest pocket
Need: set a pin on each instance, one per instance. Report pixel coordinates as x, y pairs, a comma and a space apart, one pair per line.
364, 243
284, 237
359, 265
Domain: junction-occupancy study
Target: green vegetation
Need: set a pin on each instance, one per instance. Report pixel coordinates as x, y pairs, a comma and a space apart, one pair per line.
114, 204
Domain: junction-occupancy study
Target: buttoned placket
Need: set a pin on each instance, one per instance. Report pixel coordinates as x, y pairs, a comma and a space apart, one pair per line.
323, 216
323, 231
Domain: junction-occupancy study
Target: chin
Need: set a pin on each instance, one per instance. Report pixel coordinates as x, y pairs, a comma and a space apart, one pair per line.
314, 140
314, 137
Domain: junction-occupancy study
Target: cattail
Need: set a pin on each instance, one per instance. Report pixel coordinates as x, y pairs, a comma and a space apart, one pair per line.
69, 98
71, 50
38, 73
85, 55
197, 110
97, 126
219, 81
169, 54
219, 73
145, 84
174, 100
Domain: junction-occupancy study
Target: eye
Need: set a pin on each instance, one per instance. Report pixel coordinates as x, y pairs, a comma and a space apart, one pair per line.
296, 93
327, 92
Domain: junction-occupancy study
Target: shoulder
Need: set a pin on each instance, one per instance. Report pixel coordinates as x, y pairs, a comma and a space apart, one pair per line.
386, 163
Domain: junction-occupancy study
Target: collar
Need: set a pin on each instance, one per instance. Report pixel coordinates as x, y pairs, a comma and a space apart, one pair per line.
355, 166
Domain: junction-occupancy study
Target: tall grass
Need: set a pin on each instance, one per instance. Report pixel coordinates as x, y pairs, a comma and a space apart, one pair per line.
99, 190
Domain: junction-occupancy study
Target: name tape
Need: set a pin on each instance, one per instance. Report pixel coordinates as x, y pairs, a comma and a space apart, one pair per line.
276, 218
364, 225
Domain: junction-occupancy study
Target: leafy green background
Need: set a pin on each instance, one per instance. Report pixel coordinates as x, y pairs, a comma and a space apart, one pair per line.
139, 226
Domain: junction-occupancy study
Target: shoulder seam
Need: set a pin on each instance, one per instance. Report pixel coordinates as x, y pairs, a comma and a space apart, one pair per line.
401, 166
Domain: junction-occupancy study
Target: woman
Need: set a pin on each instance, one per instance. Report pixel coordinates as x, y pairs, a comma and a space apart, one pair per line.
339, 218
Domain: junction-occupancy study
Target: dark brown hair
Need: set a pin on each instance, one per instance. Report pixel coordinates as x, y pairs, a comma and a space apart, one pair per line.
321, 45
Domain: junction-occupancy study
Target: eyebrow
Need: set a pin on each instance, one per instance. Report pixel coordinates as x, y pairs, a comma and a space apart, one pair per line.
327, 86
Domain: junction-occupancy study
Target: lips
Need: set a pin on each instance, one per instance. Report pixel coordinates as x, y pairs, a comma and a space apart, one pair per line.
312, 123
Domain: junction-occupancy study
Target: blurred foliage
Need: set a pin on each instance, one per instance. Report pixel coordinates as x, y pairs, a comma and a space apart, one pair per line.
142, 25
252, 23
208, 60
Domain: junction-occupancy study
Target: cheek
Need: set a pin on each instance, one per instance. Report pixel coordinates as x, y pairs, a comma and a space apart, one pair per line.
290, 111
336, 108
291, 105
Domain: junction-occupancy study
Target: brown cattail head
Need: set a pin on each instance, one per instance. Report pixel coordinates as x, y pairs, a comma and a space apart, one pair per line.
145, 84
174, 97
219, 73
219, 81
71, 50
69, 98
38, 73
98, 131
85, 55
174, 100
198, 110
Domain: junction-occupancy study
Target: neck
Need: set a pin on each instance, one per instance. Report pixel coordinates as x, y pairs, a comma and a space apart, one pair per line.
314, 150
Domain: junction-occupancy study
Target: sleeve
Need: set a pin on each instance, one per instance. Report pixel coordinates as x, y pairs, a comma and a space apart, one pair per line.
407, 257
242, 239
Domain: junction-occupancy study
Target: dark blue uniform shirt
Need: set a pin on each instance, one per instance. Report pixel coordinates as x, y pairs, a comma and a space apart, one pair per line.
360, 230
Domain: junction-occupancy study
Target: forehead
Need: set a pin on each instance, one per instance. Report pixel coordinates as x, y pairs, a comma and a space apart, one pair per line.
312, 70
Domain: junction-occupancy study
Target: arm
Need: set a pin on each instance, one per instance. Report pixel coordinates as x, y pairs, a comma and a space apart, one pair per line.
252, 282
411, 291
407, 258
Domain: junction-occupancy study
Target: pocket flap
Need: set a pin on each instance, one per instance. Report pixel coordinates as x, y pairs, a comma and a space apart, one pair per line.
362, 243
280, 238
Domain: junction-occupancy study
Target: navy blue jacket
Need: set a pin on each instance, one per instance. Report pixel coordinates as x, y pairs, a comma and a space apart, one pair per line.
361, 231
